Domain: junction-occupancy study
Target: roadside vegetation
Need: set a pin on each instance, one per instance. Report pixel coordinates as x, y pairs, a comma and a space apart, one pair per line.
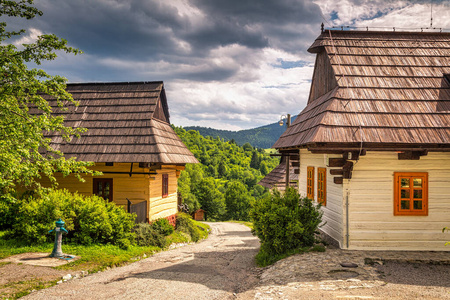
286, 224
143, 241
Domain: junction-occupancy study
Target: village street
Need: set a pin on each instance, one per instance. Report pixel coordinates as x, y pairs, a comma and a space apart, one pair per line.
212, 269
222, 267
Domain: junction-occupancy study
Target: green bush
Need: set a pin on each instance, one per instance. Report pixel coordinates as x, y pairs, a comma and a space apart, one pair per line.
147, 235
186, 224
284, 223
8, 208
163, 226
89, 220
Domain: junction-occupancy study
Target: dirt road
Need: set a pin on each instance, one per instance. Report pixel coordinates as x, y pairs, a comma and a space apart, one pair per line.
222, 267
217, 268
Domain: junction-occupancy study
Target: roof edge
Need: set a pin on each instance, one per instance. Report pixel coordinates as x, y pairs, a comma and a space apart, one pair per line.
115, 82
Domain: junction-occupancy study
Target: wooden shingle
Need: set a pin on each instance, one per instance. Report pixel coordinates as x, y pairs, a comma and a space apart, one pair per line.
381, 89
126, 122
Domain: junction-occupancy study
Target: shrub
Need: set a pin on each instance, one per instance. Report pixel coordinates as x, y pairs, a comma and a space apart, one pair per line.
284, 223
186, 224
8, 208
147, 235
88, 219
163, 226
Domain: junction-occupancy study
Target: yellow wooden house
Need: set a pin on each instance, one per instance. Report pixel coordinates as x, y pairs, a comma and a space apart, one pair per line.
131, 141
374, 139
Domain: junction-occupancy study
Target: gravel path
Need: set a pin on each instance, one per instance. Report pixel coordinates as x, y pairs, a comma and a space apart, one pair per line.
217, 268
222, 267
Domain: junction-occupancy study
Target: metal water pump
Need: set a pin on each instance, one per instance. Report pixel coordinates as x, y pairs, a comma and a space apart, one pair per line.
59, 229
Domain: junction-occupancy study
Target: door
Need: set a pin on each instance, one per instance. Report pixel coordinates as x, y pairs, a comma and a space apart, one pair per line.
103, 187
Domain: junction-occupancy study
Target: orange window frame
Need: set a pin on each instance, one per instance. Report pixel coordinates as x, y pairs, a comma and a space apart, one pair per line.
322, 186
165, 185
410, 194
310, 182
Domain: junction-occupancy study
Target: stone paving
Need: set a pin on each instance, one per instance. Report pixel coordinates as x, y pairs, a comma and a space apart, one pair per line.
327, 265
322, 271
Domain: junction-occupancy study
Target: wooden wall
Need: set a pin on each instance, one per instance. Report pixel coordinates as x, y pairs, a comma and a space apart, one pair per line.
163, 207
324, 79
333, 211
372, 222
137, 188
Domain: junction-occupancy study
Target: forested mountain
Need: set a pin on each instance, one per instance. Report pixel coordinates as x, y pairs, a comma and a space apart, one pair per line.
224, 183
260, 137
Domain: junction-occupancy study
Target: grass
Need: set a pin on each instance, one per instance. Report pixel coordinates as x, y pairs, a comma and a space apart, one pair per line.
94, 258
24, 287
246, 223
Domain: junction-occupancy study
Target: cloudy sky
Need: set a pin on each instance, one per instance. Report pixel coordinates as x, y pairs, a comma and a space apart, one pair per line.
228, 64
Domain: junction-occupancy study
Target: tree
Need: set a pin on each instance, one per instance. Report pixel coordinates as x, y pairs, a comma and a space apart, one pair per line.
263, 168
25, 153
247, 147
237, 200
255, 161
222, 169
184, 188
210, 198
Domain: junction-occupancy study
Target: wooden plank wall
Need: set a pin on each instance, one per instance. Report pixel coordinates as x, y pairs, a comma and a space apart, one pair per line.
324, 79
333, 211
163, 207
372, 221
135, 188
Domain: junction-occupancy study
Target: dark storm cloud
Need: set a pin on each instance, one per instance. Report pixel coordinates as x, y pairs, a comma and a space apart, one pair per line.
110, 28
219, 54
281, 22
151, 29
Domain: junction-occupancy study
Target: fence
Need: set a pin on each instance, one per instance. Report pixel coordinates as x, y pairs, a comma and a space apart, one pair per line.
140, 209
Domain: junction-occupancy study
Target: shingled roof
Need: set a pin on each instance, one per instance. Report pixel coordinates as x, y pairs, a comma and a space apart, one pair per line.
126, 122
277, 177
381, 89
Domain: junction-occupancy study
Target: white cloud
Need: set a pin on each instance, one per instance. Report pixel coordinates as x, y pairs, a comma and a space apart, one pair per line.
238, 103
30, 37
383, 15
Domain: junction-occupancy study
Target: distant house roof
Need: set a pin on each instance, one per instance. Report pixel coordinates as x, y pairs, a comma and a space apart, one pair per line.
277, 177
384, 89
126, 122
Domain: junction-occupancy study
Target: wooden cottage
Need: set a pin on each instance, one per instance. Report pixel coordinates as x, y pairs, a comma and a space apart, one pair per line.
374, 138
131, 141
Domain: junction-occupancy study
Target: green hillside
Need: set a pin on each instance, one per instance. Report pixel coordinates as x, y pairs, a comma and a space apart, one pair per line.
260, 137
224, 183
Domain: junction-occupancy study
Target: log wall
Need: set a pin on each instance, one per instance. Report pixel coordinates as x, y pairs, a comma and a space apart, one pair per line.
372, 222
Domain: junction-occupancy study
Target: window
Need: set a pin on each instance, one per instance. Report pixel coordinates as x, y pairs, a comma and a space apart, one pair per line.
411, 194
165, 185
310, 183
322, 186
103, 187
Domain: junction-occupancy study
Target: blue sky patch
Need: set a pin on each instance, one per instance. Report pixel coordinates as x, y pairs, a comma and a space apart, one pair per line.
289, 64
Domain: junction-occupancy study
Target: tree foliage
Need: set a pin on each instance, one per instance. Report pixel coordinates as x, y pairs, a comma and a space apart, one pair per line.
25, 153
226, 181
